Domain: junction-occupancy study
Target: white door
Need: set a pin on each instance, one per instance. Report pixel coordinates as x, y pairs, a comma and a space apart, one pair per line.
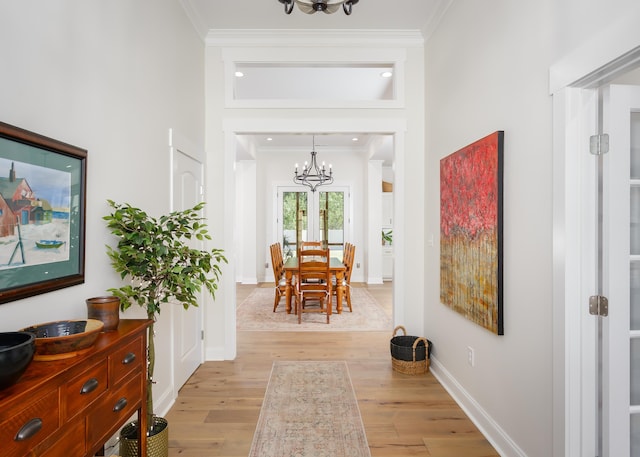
187, 191
621, 272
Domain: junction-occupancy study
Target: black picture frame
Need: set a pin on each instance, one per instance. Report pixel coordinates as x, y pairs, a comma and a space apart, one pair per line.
42, 214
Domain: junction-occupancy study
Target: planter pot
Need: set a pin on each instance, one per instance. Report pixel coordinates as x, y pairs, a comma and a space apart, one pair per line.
105, 309
157, 443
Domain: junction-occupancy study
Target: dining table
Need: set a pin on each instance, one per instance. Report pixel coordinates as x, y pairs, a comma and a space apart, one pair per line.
337, 269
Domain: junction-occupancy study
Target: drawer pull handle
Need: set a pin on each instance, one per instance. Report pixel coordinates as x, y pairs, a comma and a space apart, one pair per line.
29, 429
129, 358
120, 405
89, 386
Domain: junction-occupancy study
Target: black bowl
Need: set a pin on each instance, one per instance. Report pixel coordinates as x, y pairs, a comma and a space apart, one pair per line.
16, 353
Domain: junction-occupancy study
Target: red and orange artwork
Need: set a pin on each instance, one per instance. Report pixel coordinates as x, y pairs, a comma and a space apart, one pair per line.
471, 231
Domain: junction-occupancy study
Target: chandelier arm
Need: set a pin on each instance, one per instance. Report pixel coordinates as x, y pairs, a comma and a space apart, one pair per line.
288, 5
312, 6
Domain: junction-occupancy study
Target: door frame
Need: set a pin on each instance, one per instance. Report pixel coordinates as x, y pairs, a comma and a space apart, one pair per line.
232, 127
573, 83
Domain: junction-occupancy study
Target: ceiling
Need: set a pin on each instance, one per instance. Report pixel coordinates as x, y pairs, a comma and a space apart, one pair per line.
420, 15
269, 14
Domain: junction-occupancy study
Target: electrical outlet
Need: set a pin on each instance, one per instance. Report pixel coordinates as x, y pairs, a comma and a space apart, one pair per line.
471, 356
266, 265
358, 265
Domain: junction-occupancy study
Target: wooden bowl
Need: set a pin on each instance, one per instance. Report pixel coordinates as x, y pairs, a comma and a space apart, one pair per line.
64, 339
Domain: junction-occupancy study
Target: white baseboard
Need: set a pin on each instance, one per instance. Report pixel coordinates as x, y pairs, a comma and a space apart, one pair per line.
374, 280
498, 438
163, 404
214, 354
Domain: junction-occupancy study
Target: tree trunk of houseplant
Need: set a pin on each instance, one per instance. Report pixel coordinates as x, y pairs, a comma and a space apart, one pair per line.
158, 427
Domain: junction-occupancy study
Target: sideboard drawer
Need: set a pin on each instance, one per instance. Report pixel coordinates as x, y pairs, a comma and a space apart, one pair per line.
125, 360
70, 444
30, 426
85, 389
116, 407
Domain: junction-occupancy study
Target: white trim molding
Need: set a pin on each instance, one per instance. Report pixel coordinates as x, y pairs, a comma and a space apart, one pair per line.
481, 418
314, 38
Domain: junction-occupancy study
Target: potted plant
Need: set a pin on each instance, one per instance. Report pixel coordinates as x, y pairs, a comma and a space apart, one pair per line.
158, 257
387, 237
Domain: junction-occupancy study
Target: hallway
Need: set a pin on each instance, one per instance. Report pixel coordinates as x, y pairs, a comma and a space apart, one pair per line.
217, 410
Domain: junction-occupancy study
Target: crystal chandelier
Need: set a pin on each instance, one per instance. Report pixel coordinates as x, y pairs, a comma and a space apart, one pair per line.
312, 175
326, 6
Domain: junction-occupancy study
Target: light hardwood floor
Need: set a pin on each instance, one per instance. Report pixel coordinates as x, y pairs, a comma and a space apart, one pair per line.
217, 409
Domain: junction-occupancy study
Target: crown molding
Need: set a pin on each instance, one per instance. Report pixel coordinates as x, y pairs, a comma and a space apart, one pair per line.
311, 38
442, 6
196, 20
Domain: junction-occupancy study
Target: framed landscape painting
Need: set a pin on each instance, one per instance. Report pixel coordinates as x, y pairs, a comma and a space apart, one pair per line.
42, 213
471, 219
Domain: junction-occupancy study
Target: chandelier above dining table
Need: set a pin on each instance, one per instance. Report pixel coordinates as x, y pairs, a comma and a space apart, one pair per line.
313, 175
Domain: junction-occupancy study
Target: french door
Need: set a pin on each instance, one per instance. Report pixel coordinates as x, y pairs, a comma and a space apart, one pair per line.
312, 216
621, 262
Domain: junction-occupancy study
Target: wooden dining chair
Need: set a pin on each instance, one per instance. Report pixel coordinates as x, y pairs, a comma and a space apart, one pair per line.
311, 245
347, 260
313, 283
277, 264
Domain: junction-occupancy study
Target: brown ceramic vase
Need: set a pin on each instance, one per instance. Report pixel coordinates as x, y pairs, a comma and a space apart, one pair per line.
105, 309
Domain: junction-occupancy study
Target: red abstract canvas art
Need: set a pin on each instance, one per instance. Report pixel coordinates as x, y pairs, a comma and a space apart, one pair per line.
471, 184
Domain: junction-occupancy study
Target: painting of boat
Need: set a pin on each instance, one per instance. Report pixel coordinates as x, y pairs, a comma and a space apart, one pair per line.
49, 244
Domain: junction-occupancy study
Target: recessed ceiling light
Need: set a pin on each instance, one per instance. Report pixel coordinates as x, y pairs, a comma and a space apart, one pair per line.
269, 139
386, 74
239, 74
354, 139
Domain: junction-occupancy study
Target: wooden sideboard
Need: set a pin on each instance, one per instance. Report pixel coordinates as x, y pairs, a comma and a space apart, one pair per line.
70, 407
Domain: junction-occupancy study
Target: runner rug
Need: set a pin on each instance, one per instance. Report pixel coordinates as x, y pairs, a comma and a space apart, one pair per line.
310, 410
256, 313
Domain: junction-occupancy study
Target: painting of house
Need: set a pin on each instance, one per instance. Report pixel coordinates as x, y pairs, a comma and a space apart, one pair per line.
28, 219
22, 203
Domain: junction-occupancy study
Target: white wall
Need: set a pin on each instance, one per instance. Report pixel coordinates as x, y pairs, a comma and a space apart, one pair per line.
111, 77
576, 22
486, 70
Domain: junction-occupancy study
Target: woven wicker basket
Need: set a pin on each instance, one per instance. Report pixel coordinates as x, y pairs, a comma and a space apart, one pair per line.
409, 354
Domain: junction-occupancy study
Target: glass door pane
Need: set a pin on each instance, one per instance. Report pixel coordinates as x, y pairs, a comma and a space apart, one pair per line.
331, 216
294, 221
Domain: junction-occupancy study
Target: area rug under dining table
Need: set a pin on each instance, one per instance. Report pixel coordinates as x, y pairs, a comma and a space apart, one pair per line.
256, 313
309, 410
